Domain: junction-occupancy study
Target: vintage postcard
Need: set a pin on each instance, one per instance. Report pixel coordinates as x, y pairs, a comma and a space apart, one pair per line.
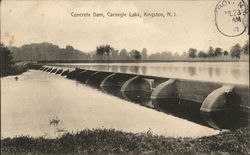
125, 77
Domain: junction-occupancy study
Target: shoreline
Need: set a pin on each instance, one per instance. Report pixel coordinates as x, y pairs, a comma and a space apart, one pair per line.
20, 68
110, 141
17, 69
136, 61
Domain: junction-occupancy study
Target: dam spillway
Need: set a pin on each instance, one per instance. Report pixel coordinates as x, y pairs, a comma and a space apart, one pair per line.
218, 105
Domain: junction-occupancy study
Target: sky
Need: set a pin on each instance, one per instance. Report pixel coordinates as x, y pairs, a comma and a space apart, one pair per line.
25, 22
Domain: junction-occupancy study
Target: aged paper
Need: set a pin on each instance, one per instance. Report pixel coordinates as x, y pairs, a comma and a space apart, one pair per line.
146, 68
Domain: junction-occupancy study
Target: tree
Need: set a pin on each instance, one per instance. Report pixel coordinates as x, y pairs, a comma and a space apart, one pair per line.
218, 52
114, 54
123, 55
144, 54
245, 48
104, 50
156, 56
210, 52
6, 61
46, 51
176, 55
184, 54
235, 51
135, 54
225, 53
202, 54
192, 52
69, 48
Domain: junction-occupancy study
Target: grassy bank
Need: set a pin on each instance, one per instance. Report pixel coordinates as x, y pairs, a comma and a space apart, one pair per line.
102, 141
145, 61
19, 68
16, 69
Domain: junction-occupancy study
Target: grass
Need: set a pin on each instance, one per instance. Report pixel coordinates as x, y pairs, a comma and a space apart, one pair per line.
19, 68
15, 69
109, 141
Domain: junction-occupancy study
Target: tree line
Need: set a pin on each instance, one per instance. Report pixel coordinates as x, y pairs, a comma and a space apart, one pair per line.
51, 52
7, 65
46, 51
109, 53
236, 51
106, 52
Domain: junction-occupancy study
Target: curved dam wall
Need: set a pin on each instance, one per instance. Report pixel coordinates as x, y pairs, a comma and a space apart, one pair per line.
218, 105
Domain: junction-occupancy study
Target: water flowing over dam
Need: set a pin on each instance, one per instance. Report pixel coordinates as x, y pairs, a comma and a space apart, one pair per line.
213, 104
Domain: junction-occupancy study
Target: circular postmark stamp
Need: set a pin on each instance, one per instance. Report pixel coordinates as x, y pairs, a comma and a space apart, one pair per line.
231, 17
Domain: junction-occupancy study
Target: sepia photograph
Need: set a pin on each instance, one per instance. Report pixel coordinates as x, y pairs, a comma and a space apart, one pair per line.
96, 77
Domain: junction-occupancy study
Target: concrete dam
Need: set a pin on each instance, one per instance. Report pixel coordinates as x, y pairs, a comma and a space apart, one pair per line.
216, 105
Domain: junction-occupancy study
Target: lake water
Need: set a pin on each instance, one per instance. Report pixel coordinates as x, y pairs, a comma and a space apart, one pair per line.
228, 72
34, 103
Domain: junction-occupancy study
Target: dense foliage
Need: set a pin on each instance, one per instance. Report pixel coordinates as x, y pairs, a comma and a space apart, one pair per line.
51, 52
103, 141
46, 51
236, 51
5, 61
104, 50
7, 65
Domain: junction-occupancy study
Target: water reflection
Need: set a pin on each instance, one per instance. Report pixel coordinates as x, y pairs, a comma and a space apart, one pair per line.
184, 109
235, 72
217, 71
78, 107
123, 69
192, 71
139, 91
210, 71
144, 70
155, 68
229, 72
114, 68
134, 69
176, 69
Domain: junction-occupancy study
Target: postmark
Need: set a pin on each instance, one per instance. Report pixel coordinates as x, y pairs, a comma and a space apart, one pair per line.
231, 17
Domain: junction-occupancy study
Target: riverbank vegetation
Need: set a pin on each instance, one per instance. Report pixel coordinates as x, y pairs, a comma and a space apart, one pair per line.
236, 52
7, 65
103, 141
106, 53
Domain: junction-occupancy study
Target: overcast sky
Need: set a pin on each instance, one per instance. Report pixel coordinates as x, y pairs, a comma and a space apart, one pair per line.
24, 22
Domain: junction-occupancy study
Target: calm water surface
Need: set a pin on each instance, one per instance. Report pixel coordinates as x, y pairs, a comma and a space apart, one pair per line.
228, 72
29, 104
